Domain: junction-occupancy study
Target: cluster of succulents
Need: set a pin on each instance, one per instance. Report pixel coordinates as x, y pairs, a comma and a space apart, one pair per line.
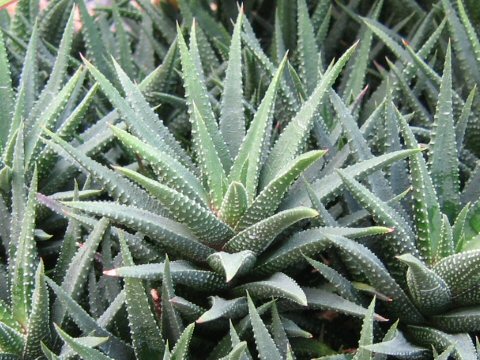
216, 180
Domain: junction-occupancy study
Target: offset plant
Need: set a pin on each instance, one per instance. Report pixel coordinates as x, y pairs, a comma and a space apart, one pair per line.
226, 201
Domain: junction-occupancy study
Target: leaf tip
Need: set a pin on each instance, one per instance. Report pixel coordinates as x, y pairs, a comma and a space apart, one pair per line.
111, 272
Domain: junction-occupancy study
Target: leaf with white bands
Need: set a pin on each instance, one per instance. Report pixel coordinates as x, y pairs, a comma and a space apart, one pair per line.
169, 170
23, 272
277, 285
209, 159
232, 265
146, 336
224, 308
253, 142
427, 336
175, 237
460, 272
293, 138
308, 243
182, 273
234, 203
428, 290
259, 236
232, 118
196, 92
267, 202
265, 345
117, 186
329, 186
202, 222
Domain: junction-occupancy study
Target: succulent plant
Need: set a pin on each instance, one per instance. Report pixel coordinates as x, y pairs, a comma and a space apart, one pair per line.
426, 269
222, 194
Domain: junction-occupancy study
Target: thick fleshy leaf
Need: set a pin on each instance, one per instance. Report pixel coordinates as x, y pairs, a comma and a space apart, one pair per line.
259, 236
443, 148
197, 94
237, 352
180, 351
329, 186
234, 203
426, 207
136, 111
366, 335
279, 285
458, 320
360, 258
23, 274
182, 273
307, 47
91, 35
49, 115
115, 347
77, 272
209, 159
255, 138
278, 332
398, 346
295, 134
358, 65
460, 272
146, 337
404, 238
232, 118
308, 243
188, 310
267, 202
232, 265
265, 345
319, 298
11, 340
169, 170
342, 286
426, 336
38, 328
175, 237
230, 309
428, 290
120, 188
79, 348
202, 222
172, 325
6, 94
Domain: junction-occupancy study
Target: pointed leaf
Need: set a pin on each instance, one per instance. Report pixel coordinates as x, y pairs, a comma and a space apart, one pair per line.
265, 346
232, 265
146, 337
201, 221
278, 284
259, 236
232, 118
267, 202
230, 309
